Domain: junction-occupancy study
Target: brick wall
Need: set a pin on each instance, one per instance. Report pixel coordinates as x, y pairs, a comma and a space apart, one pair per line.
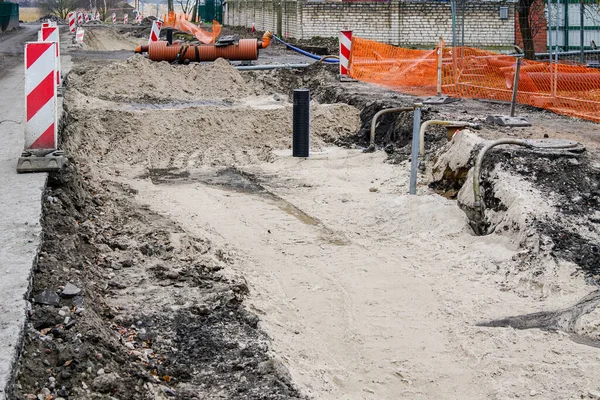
406, 23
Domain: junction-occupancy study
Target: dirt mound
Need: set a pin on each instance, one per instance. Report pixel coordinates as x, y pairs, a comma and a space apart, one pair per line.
141, 80
52, 18
218, 136
546, 202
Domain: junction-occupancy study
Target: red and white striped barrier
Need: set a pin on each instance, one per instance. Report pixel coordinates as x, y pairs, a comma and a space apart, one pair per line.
72, 22
79, 19
345, 51
138, 18
114, 18
125, 19
51, 34
40, 95
79, 35
87, 18
155, 32
97, 16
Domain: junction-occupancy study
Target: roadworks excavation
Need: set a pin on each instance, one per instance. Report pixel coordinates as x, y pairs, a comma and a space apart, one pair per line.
186, 254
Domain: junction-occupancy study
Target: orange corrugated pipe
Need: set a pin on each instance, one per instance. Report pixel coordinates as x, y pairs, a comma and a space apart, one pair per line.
246, 49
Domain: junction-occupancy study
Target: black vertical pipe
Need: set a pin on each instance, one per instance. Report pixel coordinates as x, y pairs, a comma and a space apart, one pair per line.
301, 123
170, 35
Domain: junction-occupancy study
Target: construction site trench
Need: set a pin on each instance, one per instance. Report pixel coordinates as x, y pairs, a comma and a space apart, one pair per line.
187, 254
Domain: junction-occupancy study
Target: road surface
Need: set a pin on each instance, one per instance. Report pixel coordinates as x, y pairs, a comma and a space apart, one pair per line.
20, 205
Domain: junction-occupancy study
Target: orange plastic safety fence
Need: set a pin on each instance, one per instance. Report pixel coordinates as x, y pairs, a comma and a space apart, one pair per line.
181, 22
567, 89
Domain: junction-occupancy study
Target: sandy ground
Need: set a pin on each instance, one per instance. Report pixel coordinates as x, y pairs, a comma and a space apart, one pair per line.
365, 291
386, 309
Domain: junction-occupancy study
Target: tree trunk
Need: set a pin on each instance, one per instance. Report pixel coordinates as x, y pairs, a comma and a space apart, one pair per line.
169, 5
524, 9
195, 12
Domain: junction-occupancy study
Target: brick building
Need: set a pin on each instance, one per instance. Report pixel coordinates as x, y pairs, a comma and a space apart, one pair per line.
405, 23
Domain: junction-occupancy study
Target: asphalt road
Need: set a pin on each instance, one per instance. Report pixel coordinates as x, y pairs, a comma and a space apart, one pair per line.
20, 202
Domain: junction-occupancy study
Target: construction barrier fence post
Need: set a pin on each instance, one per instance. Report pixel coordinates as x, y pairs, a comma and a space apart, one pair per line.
51, 34
41, 125
125, 19
155, 32
79, 19
71, 18
345, 51
79, 35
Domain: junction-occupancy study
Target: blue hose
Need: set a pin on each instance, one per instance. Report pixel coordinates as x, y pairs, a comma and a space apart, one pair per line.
307, 54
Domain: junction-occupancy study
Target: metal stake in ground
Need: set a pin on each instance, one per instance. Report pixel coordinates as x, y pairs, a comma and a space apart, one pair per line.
301, 123
511, 120
513, 103
414, 164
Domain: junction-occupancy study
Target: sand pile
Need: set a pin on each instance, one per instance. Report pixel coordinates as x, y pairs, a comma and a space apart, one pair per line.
216, 136
140, 80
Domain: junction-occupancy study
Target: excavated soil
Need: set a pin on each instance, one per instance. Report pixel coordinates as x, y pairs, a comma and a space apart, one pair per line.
127, 305
183, 230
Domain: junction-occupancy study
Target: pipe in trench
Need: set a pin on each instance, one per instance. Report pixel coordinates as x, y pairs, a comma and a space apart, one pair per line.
306, 53
426, 124
374, 123
478, 201
268, 67
244, 50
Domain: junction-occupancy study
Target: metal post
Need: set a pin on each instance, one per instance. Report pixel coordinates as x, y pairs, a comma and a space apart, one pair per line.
581, 38
462, 28
513, 103
439, 66
556, 33
414, 163
453, 9
550, 29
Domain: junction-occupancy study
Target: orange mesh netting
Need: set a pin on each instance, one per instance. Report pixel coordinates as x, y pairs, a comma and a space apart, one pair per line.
181, 22
567, 89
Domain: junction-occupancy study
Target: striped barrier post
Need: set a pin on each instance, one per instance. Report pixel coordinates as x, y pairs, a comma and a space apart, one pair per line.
114, 18
41, 126
72, 22
125, 19
155, 32
345, 51
97, 16
79, 19
79, 35
51, 34
87, 18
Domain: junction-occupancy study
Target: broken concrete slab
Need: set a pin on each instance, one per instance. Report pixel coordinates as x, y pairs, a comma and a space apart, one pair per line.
48, 297
438, 100
70, 290
505, 120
